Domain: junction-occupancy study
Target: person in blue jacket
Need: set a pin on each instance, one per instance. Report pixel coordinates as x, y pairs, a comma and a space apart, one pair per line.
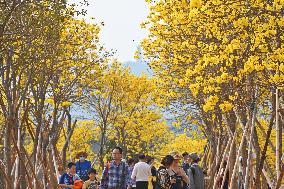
83, 166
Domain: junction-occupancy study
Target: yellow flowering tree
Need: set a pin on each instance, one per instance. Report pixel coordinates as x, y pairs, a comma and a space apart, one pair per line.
220, 62
47, 59
123, 106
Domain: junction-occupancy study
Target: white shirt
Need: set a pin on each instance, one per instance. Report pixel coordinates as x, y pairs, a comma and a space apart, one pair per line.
141, 171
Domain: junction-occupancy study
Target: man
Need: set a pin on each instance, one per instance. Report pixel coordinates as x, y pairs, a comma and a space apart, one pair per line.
67, 179
82, 166
115, 174
195, 172
185, 166
185, 163
141, 173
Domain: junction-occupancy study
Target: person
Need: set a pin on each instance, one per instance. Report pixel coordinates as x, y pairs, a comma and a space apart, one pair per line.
67, 179
178, 173
82, 166
222, 177
241, 173
132, 182
164, 181
152, 180
92, 183
185, 163
115, 174
141, 173
196, 174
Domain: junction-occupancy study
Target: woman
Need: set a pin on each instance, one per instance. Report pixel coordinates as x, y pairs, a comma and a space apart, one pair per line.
175, 171
132, 182
164, 181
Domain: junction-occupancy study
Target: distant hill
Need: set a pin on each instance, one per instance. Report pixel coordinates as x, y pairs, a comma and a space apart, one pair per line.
139, 67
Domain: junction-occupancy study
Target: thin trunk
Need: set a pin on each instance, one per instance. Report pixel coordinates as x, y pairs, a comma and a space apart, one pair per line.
7, 154
7, 179
264, 182
54, 161
228, 147
279, 180
102, 144
53, 179
232, 150
250, 149
263, 153
67, 142
271, 145
278, 138
233, 174
232, 161
266, 176
17, 170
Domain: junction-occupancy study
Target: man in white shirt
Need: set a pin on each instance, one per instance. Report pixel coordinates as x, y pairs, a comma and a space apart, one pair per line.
141, 173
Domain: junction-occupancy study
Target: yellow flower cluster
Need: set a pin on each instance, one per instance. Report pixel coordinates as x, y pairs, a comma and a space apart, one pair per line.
210, 103
226, 106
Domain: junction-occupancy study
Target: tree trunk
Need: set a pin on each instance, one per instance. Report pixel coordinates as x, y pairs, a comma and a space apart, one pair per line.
18, 179
250, 148
263, 153
245, 130
102, 144
278, 137
7, 153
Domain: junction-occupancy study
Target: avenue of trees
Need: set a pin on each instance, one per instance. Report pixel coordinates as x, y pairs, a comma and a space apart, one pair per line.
218, 70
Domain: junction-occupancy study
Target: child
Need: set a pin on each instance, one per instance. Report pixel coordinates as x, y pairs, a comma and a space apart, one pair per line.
92, 183
67, 179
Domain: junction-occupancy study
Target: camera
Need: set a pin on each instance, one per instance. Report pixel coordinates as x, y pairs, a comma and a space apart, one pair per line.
178, 179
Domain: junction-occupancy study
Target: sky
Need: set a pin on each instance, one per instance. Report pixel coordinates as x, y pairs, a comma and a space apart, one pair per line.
121, 30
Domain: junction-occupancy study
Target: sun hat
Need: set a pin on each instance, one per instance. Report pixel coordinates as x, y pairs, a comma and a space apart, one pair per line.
173, 153
82, 153
177, 157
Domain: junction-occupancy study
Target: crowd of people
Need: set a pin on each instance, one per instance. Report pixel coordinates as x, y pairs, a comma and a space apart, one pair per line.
175, 172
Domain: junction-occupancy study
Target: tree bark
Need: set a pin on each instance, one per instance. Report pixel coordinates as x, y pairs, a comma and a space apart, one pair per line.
278, 137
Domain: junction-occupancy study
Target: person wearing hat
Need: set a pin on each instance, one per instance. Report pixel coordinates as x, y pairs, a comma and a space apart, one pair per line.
195, 172
83, 165
178, 173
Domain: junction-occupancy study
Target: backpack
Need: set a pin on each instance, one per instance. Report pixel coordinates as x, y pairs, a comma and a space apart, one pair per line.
192, 170
107, 168
197, 176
